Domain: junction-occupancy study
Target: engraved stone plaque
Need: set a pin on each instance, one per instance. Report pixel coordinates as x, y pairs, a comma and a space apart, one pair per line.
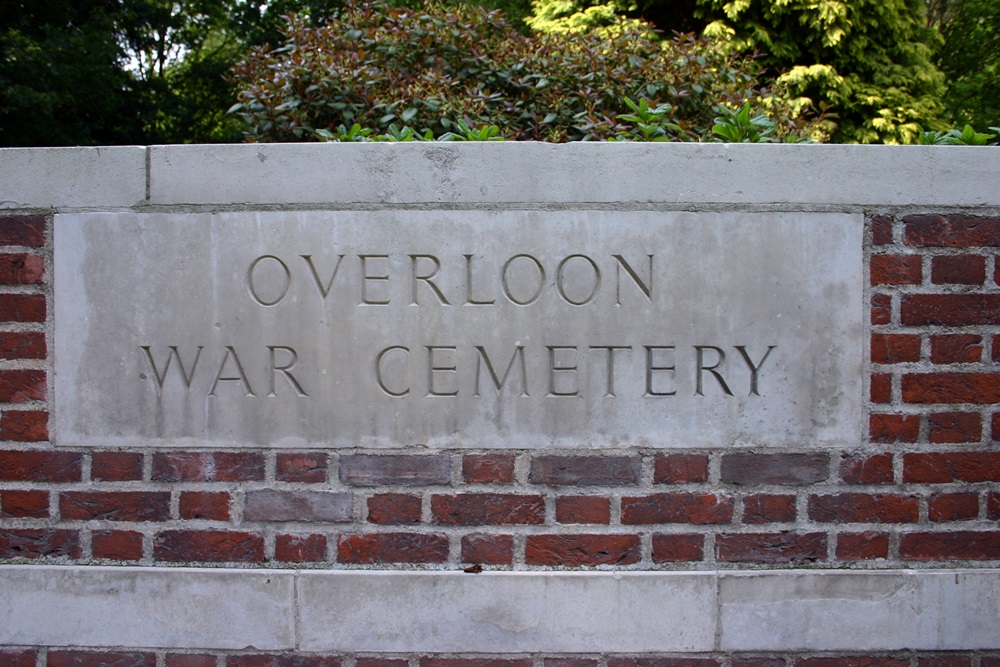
459, 328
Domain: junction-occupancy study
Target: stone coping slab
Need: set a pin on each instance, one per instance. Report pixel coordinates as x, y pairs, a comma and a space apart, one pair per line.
505, 173
609, 173
499, 612
106, 177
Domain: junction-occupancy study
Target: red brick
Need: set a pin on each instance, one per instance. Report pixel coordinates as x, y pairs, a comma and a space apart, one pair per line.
583, 509
927, 388
678, 548
16, 658
585, 470
581, 550
863, 508
114, 505
208, 467
944, 661
570, 662
117, 544
395, 470
116, 467
896, 270
39, 543
995, 426
22, 345
394, 509
24, 426
680, 468
787, 469
431, 661
696, 508
23, 230
881, 389
40, 466
996, 344
757, 662
993, 505
18, 386
953, 507
853, 661
100, 659
316, 506
943, 468
958, 270
862, 546
22, 308
24, 504
488, 549
767, 508
21, 269
382, 662
209, 505
866, 468
771, 548
989, 661
211, 546
662, 662
951, 427
950, 309
956, 349
282, 660
190, 660
886, 429
952, 231
300, 548
958, 545
895, 348
309, 468
881, 230
488, 468
487, 509
881, 311
392, 548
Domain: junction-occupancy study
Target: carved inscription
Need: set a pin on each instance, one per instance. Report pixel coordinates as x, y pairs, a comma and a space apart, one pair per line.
458, 329
448, 370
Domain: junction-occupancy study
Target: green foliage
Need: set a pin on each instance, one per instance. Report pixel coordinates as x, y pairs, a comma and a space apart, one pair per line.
970, 58
967, 136
129, 71
61, 79
649, 124
444, 68
467, 133
867, 63
740, 127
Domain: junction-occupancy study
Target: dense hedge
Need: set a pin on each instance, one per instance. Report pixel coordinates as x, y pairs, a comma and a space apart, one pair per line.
377, 66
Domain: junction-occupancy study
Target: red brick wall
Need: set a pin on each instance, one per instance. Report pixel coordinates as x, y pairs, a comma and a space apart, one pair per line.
922, 490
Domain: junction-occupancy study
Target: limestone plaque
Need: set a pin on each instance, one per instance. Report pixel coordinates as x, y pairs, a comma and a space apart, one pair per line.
458, 328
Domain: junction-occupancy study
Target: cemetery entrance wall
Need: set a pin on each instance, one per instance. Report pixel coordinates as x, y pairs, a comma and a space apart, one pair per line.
500, 405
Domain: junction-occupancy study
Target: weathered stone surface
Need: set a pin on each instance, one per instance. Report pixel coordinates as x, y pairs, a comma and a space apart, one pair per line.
509, 172
859, 611
584, 329
146, 608
106, 176
507, 612
380, 611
